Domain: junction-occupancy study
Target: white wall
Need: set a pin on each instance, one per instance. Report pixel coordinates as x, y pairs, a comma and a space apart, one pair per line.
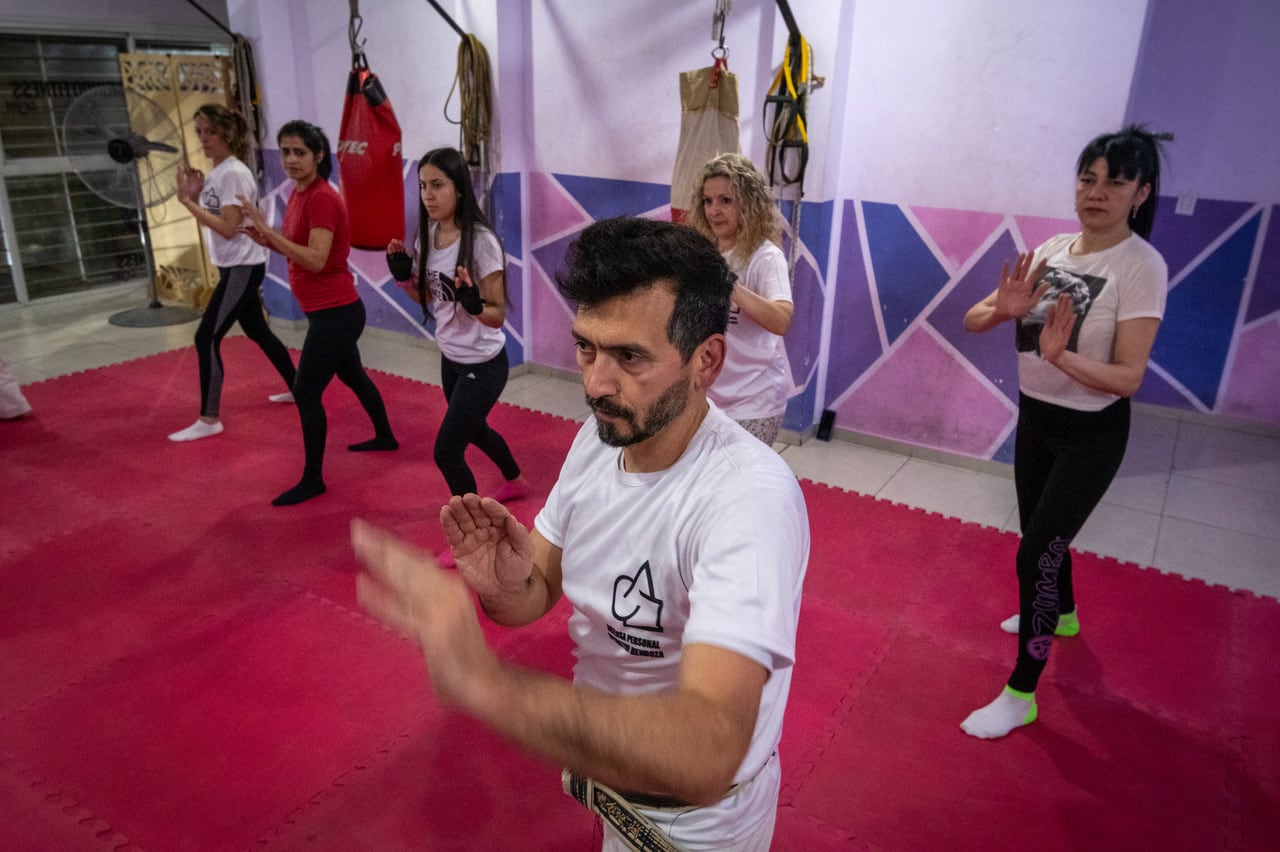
979, 105
984, 104
1217, 93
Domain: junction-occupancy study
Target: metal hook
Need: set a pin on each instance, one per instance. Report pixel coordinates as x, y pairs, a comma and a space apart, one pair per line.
353, 28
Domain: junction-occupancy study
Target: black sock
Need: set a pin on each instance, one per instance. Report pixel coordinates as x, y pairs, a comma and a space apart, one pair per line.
304, 490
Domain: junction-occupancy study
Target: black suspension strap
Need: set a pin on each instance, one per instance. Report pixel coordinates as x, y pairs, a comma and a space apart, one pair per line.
787, 133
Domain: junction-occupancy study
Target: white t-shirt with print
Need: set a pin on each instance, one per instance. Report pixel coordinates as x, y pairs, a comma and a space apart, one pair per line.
226, 181
712, 550
754, 382
1124, 282
461, 336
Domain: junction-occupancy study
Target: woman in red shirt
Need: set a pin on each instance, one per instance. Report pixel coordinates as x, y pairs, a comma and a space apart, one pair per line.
315, 237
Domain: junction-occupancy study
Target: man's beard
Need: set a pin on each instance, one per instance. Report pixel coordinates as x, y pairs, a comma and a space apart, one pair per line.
657, 417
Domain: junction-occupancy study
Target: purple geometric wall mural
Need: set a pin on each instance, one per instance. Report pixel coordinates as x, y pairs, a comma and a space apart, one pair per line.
898, 363
803, 342
604, 198
921, 393
907, 275
806, 321
1180, 238
992, 353
855, 333
956, 233
552, 315
1200, 317
941, 387
1251, 390
1265, 296
508, 213
1034, 230
552, 210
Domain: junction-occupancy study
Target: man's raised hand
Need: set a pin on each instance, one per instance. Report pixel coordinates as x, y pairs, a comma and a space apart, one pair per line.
493, 551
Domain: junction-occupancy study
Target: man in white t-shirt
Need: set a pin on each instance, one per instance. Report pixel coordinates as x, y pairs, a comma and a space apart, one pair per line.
681, 542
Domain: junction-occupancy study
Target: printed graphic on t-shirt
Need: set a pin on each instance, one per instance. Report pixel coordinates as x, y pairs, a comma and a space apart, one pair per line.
734, 310
635, 603
637, 606
1084, 289
442, 287
212, 202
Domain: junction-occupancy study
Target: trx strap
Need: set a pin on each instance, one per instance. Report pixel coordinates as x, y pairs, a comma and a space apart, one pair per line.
787, 133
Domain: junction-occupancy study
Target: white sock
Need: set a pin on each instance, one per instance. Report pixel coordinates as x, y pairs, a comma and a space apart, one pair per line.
196, 431
1001, 716
287, 396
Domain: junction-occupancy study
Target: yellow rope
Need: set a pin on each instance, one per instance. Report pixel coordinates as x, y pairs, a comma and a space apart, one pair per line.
475, 92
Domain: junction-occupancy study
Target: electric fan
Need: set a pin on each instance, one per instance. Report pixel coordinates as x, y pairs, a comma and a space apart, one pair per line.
129, 157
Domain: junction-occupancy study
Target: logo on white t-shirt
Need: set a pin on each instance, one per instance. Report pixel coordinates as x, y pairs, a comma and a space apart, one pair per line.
634, 602
212, 202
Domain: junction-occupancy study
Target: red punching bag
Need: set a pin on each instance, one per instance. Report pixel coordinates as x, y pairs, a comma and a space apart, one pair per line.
370, 168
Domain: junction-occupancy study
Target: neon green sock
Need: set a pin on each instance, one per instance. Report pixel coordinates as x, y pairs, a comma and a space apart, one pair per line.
1068, 624
1025, 696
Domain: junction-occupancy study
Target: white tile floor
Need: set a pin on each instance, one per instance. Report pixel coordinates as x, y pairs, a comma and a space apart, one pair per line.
1195, 496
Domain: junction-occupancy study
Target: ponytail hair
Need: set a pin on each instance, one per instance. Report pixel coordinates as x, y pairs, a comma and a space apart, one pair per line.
315, 140
1133, 153
230, 125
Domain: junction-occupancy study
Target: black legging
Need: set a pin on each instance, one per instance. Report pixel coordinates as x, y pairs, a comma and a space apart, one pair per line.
1064, 460
471, 391
330, 350
235, 299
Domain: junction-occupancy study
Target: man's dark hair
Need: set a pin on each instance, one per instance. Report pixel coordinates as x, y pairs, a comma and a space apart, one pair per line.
616, 257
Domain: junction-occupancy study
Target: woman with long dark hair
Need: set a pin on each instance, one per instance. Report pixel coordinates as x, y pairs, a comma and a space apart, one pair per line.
315, 237
241, 263
1086, 307
458, 274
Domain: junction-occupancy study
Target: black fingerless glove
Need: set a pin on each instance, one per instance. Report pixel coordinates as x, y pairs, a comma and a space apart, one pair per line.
469, 298
400, 264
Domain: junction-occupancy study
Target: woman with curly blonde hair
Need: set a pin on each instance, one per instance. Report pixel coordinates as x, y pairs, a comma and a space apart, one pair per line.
732, 207
241, 263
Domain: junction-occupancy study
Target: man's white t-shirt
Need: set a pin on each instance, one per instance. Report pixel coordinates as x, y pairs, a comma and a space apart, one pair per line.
712, 550
1124, 282
224, 183
754, 382
462, 338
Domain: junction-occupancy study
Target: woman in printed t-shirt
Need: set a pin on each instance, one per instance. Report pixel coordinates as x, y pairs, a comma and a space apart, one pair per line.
732, 207
1086, 307
241, 263
459, 279
315, 237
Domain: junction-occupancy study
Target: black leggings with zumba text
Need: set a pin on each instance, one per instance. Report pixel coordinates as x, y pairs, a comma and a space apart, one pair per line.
1064, 460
